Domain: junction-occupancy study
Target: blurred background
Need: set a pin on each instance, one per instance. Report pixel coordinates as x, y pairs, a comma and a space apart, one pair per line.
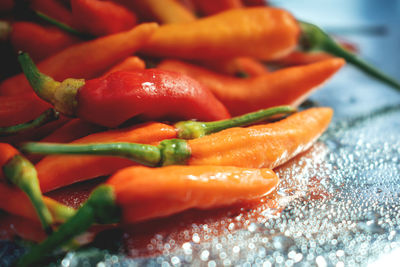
373, 26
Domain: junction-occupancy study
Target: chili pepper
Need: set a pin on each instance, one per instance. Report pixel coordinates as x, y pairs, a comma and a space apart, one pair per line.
16, 202
240, 67
19, 109
288, 86
210, 7
255, 2
46, 117
53, 9
20, 172
314, 39
112, 100
57, 171
72, 130
267, 145
85, 60
167, 11
130, 196
101, 17
271, 33
128, 64
39, 41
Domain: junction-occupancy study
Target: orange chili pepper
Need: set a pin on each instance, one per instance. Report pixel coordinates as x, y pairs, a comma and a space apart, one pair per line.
166, 11
173, 189
85, 60
58, 171
267, 145
140, 193
26, 200
240, 67
101, 17
264, 33
128, 64
39, 41
288, 86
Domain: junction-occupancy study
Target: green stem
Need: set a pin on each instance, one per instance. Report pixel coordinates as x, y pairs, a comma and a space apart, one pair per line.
144, 154
46, 117
60, 212
61, 95
99, 208
63, 26
174, 151
194, 129
314, 38
20, 172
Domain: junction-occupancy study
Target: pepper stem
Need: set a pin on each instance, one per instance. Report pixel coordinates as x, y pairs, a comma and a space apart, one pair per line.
59, 212
61, 95
195, 129
99, 208
145, 154
174, 151
46, 117
314, 38
20, 172
62, 26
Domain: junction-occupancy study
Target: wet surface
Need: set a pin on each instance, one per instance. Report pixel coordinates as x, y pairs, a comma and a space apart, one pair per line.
337, 204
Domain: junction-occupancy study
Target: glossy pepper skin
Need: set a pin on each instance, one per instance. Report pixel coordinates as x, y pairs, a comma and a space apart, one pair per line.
289, 86
173, 189
265, 145
111, 100
263, 33
130, 196
151, 94
55, 171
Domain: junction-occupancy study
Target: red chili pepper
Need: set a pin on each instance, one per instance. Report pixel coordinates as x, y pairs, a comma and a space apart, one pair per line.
39, 41
54, 9
112, 100
101, 17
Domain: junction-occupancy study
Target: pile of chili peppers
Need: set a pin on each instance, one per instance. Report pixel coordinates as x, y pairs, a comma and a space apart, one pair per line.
100, 78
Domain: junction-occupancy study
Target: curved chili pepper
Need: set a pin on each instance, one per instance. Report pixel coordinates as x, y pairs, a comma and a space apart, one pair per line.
15, 201
101, 17
85, 60
263, 33
267, 145
46, 117
53, 9
20, 172
313, 38
289, 86
39, 41
112, 100
243, 67
57, 171
130, 196
19, 109
128, 64
166, 11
